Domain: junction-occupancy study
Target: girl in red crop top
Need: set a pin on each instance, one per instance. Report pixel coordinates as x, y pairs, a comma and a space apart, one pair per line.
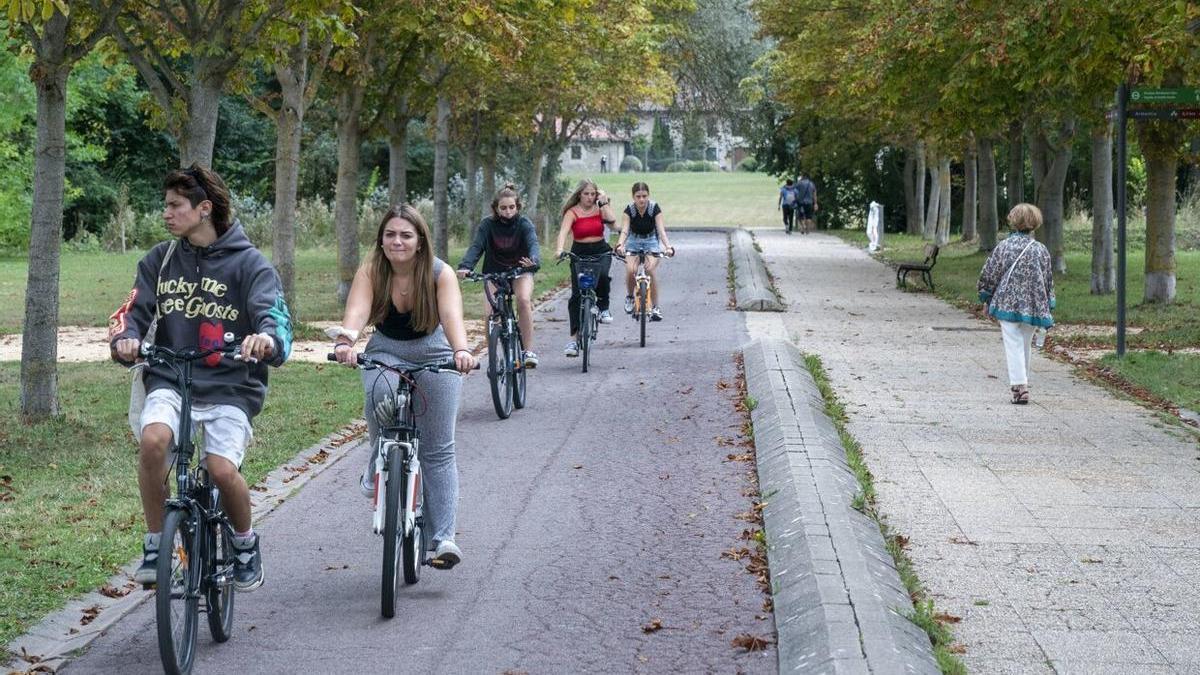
585, 215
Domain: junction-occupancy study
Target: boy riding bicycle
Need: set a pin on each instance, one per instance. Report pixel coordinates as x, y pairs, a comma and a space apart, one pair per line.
208, 282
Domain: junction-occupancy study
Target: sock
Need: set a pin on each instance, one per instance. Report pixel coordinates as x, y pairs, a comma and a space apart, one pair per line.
244, 539
150, 541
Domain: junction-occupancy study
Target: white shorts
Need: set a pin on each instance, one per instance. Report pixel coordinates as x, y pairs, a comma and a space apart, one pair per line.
226, 428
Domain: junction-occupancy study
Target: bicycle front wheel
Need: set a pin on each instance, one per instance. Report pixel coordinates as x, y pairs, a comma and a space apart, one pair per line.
499, 369
586, 326
643, 302
393, 531
219, 593
177, 596
517, 359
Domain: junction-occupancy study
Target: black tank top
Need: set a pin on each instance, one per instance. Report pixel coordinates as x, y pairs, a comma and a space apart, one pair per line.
398, 325
643, 224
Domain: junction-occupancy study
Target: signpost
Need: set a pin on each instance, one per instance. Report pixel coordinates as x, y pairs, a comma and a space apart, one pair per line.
1142, 103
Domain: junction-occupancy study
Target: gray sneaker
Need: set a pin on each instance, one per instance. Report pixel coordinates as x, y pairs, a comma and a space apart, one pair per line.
247, 564
530, 359
446, 555
606, 317
147, 572
629, 304
572, 349
366, 482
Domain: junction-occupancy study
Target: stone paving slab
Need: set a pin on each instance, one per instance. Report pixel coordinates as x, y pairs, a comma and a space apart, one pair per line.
1063, 533
840, 606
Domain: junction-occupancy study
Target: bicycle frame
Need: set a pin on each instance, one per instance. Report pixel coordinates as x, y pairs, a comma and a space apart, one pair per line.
401, 437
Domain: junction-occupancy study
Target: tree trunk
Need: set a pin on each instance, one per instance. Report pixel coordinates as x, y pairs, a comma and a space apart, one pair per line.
39, 348
398, 163
970, 184
293, 79
988, 217
345, 207
1055, 160
916, 227
489, 177
441, 178
1016, 165
1103, 272
1160, 146
929, 231
537, 156
1037, 160
200, 131
942, 233
912, 217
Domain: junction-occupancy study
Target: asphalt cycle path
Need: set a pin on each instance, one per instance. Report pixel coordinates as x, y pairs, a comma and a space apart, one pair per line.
602, 507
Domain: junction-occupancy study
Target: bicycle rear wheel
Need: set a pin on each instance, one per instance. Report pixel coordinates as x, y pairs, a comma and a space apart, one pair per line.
413, 541
517, 358
219, 571
643, 302
585, 330
499, 370
177, 596
392, 533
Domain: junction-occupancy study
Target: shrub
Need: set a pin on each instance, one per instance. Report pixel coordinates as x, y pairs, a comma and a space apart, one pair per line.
256, 217
314, 223
701, 165
748, 164
630, 163
676, 167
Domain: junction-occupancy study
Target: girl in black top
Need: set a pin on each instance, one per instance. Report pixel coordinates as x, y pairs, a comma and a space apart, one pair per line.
642, 229
507, 239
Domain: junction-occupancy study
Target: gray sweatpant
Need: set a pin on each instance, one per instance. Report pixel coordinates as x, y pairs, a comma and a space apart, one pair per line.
435, 404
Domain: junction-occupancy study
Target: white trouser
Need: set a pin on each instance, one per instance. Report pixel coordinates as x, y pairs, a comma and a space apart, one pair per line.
1018, 342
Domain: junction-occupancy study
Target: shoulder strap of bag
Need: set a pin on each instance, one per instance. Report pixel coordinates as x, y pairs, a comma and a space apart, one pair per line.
1013, 266
152, 330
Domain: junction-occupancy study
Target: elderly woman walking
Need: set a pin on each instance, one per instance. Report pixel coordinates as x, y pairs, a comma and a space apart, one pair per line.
1017, 284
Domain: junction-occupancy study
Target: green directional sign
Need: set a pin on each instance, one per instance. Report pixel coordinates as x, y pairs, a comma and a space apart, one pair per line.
1146, 95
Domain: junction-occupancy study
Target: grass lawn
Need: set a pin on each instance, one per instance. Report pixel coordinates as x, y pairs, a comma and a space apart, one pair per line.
1175, 377
702, 199
69, 510
93, 285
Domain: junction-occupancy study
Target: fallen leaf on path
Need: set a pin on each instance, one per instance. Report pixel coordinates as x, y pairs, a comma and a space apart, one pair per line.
943, 617
319, 457
109, 592
751, 643
89, 615
654, 625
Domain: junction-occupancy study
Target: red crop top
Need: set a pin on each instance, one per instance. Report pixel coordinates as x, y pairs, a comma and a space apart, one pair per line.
587, 226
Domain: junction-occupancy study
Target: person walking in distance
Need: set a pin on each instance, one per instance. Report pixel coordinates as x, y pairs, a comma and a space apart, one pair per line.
413, 301
585, 215
507, 239
787, 203
208, 282
806, 203
1017, 284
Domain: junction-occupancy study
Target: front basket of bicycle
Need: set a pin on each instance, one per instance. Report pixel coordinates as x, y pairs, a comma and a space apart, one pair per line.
588, 273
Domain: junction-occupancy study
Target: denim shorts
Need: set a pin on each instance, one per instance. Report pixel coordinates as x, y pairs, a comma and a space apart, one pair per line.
639, 242
227, 430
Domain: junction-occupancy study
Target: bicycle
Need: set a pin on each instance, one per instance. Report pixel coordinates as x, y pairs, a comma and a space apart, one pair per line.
506, 349
589, 311
195, 530
399, 515
641, 294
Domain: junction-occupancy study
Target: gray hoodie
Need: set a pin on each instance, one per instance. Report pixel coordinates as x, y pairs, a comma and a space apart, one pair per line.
203, 293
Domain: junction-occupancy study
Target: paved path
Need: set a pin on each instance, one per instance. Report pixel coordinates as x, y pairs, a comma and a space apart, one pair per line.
1063, 533
602, 506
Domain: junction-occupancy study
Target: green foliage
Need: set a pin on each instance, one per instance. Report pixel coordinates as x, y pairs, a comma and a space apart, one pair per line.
631, 163
662, 147
16, 137
748, 164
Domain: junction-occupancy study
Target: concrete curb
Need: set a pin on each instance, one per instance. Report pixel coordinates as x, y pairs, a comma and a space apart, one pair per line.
839, 603
51, 643
752, 285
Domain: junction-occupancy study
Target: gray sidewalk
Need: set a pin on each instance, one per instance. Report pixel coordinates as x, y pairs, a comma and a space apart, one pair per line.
1063, 533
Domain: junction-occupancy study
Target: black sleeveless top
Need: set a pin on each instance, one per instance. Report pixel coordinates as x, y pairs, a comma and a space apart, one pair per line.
643, 224
398, 325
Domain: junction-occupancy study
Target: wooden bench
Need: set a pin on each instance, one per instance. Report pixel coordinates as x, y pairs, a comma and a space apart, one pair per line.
925, 268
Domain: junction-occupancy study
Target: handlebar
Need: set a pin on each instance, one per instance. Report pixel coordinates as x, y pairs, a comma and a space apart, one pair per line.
367, 363
583, 258
156, 352
505, 275
653, 254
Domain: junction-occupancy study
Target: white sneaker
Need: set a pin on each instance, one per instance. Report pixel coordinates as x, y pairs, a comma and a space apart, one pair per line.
530, 359
629, 304
655, 314
572, 349
446, 555
366, 482
606, 316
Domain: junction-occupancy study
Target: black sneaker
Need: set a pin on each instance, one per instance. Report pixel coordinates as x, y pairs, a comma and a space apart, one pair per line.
147, 572
247, 566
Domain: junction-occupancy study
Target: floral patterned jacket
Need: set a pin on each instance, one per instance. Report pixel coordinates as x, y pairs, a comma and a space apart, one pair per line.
1027, 295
